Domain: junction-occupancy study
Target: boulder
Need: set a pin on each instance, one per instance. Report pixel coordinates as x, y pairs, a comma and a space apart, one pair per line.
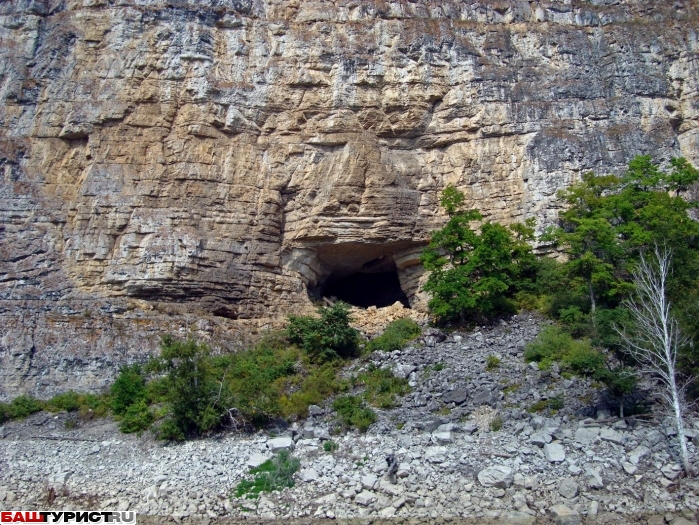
498, 476
281, 443
457, 396
554, 452
564, 515
568, 488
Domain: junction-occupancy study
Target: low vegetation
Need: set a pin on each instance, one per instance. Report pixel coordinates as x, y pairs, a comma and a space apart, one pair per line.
274, 474
396, 335
189, 390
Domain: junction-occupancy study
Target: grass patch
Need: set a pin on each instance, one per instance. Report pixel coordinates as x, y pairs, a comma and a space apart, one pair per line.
553, 404
396, 335
274, 474
353, 412
492, 362
574, 356
382, 387
496, 424
330, 446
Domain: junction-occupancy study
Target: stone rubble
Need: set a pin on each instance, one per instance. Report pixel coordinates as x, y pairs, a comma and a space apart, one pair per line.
452, 461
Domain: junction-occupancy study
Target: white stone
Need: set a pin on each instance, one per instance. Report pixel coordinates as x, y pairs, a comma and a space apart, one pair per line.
540, 439
256, 460
281, 443
594, 480
365, 498
554, 452
611, 435
308, 475
564, 515
585, 435
442, 438
568, 488
498, 476
369, 481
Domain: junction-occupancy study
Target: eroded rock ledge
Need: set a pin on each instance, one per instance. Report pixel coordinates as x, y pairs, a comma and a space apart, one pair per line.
220, 160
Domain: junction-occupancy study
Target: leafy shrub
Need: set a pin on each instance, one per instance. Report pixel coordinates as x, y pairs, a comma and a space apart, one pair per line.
492, 362
396, 335
311, 387
68, 402
554, 344
554, 403
476, 272
89, 405
330, 446
19, 408
128, 389
137, 418
382, 387
325, 338
193, 392
353, 412
274, 474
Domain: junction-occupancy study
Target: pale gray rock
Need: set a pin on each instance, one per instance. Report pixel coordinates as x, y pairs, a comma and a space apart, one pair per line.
442, 437
554, 452
671, 471
365, 498
593, 477
281, 443
586, 435
498, 476
638, 453
564, 515
540, 439
457, 396
568, 488
256, 459
308, 475
369, 481
611, 435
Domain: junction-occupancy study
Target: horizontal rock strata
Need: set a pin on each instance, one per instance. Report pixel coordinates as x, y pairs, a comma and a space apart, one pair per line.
228, 157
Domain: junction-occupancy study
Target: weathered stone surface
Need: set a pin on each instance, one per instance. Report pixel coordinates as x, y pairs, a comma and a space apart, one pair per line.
564, 515
280, 443
568, 488
498, 476
554, 452
190, 166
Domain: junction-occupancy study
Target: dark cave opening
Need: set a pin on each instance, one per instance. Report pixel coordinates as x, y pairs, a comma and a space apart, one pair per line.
367, 289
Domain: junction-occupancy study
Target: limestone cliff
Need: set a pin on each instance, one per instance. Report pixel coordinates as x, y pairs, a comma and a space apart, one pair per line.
194, 165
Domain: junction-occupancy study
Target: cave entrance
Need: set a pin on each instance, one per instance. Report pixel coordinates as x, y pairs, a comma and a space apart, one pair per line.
362, 289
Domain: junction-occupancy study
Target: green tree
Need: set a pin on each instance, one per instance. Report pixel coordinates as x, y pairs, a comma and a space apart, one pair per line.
194, 392
475, 273
326, 337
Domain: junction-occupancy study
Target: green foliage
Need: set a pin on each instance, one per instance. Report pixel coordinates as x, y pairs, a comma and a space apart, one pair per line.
382, 387
128, 389
326, 338
396, 335
193, 387
19, 408
137, 418
330, 446
88, 405
476, 274
311, 388
492, 362
274, 474
554, 404
353, 412
496, 424
556, 345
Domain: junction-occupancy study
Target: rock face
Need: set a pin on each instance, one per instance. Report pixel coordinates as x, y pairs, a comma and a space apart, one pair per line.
187, 166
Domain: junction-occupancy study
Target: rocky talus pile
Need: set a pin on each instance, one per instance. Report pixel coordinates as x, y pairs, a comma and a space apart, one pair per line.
464, 445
